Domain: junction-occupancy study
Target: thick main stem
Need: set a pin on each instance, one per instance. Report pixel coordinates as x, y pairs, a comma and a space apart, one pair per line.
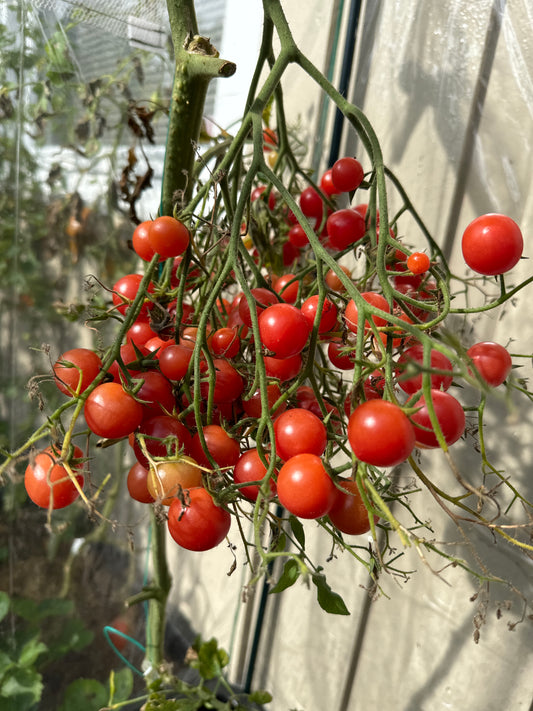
197, 62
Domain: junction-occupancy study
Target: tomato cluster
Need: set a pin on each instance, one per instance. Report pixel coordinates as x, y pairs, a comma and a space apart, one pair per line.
241, 378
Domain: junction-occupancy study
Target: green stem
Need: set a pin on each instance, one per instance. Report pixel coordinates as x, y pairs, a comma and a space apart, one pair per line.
197, 62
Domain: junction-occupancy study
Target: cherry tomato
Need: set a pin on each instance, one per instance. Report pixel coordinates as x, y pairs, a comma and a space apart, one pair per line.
125, 290
129, 354
287, 288
166, 480
415, 354
326, 183
164, 436
311, 203
348, 512
111, 412
492, 244
374, 385
345, 228
304, 487
197, 523
47, 481
262, 298
418, 262
374, 299
450, 416
252, 405
328, 313
299, 431
257, 193
137, 483
379, 433
250, 468
168, 237
283, 368
341, 355
224, 449
297, 236
283, 329
141, 243
492, 362
333, 280
140, 332
228, 384
155, 394
76, 369
347, 174
225, 342
174, 361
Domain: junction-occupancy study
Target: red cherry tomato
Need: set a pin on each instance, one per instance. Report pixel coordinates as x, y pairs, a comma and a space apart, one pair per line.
326, 183
348, 513
287, 288
418, 262
351, 314
47, 481
379, 433
438, 361
297, 236
328, 313
250, 468
252, 405
168, 237
125, 290
304, 487
76, 369
141, 243
450, 416
299, 431
111, 412
262, 298
174, 361
341, 355
311, 203
492, 244
224, 449
283, 368
283, 329
137, 483
155, 394
492, 362
345, 228
228, 384
197, 523
347, 174
225, 342
164, 436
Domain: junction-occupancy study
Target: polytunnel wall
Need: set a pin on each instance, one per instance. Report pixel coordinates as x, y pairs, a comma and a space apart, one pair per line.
448, 88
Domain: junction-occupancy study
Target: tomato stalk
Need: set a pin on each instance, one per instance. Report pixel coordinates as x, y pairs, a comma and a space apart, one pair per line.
196, 63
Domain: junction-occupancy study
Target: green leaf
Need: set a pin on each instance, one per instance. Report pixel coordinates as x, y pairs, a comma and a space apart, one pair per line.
297, 529
328, 600
260, 697
84, 695
290, 574
36, 611
211, 659
31, 651
120, 685
4, 604
21, 689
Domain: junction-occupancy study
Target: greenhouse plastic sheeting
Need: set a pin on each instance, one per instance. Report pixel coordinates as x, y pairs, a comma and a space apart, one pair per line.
448, 88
